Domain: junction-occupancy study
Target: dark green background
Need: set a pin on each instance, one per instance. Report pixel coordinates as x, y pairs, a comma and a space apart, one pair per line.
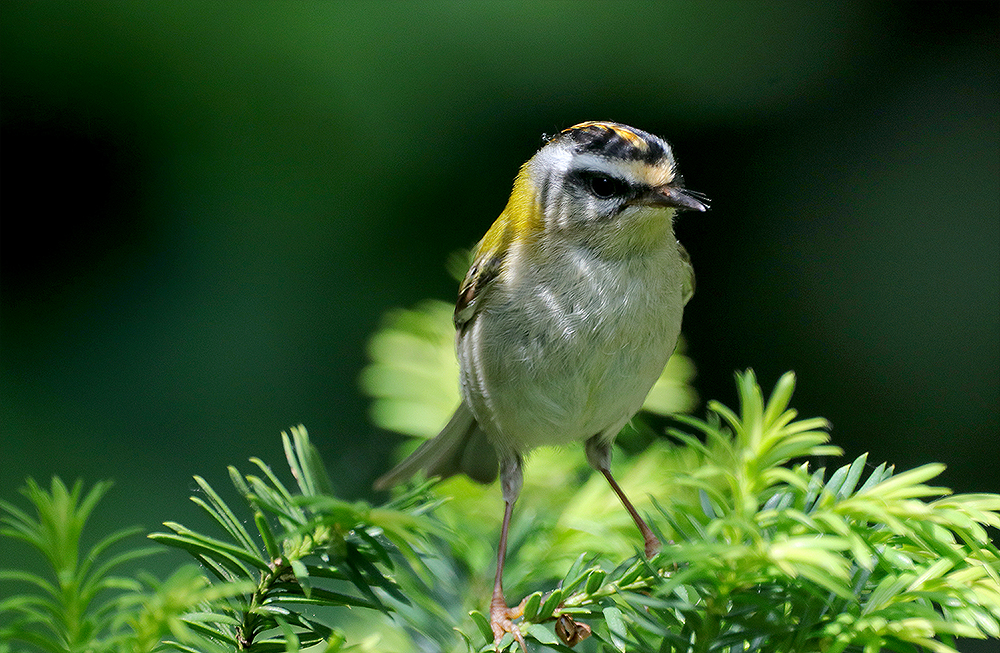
206, 208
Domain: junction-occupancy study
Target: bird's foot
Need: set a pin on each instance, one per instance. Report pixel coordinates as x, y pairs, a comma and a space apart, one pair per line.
502, 620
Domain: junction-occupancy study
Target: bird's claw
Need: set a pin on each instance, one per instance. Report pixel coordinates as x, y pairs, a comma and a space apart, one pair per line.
502, 621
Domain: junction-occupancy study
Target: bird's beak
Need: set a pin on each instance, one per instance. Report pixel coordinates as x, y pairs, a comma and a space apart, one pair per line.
675, 198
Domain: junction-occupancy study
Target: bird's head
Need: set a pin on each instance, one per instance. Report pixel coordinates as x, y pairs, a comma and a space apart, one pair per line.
602, 185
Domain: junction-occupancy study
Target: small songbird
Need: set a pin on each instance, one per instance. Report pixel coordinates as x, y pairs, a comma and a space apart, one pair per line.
567, 316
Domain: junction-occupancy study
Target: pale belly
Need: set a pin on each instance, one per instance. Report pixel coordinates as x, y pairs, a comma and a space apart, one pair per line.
546, 371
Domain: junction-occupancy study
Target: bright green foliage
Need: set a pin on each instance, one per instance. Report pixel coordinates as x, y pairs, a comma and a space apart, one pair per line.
766, 557
77, 607
83, 606
308, 549
761, 554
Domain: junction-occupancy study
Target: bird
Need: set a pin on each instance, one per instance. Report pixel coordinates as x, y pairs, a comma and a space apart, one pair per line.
567, 316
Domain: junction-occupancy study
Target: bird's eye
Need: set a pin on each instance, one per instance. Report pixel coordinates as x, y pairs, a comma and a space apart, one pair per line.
605, 187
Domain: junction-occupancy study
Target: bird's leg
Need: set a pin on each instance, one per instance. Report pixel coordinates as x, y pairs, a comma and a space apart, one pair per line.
652, 543
599, 457
501, 617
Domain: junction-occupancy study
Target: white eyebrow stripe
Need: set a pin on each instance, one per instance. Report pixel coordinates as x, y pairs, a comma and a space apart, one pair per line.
602, 164
635, 173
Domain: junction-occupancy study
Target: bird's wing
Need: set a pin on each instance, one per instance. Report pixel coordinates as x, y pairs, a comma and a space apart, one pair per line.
486, 266
483, 271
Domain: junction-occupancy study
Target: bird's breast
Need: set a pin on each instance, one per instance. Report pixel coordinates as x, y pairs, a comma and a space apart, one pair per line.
568, 348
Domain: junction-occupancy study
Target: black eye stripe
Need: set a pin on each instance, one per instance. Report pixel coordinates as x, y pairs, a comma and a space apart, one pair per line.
602, 185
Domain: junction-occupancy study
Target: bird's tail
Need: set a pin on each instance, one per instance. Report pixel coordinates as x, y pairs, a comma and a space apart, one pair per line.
460, 448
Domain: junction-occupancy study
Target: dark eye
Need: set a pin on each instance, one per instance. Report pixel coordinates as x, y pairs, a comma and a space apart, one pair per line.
605, 187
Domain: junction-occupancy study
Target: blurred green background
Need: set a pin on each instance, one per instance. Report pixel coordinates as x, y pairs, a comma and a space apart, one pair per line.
206, 208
